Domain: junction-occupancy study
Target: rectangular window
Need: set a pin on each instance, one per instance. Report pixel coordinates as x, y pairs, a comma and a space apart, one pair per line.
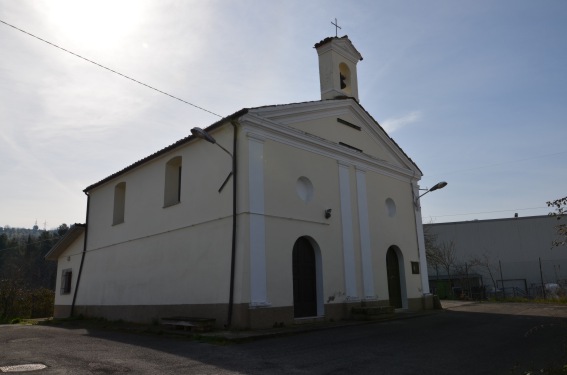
415, 268
172, 183
119, 203
66, 278
179, 185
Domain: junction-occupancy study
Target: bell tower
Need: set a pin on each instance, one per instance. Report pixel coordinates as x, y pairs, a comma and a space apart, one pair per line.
337, 68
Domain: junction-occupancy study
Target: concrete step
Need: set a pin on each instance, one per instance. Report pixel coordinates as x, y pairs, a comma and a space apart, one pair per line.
372, 313
370, 303
194, 324
308, 320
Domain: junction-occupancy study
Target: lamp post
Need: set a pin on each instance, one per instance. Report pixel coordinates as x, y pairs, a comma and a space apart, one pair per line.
200, 133
437, 186
421, 240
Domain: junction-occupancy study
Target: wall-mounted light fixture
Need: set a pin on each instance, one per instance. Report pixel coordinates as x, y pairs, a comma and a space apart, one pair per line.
437, 186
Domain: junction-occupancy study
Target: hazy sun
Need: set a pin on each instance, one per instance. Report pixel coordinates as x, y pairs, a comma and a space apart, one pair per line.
98, 23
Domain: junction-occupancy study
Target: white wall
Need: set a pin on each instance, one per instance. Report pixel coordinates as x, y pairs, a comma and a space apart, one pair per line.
174, 255
289, 217
69, 259
181, 254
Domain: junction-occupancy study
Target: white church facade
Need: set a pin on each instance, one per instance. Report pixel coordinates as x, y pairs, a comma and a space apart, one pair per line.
318, 214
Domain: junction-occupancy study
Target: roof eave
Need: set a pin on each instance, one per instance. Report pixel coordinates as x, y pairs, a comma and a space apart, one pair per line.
165, 150
72, 234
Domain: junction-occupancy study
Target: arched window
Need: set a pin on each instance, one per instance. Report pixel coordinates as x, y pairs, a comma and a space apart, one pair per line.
172, 186
119, 203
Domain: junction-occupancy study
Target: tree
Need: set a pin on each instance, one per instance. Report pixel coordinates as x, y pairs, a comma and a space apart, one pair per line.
62, 229
485, 262
446, 256
560, 206
27, 280
443, 256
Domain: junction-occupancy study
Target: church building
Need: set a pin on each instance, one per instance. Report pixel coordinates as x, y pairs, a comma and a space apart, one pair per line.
305, 211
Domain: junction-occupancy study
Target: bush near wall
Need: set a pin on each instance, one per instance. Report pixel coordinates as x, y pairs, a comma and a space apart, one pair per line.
19, 302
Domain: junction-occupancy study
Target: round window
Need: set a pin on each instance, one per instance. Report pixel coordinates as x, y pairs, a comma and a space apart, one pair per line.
304, 189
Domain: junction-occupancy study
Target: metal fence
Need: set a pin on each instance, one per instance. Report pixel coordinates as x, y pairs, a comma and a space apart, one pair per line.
537, 278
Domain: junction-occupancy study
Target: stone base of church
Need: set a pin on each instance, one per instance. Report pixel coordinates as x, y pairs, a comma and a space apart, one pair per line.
243, 316
265, 317
149, 314
61, 311
428, 302
416, 304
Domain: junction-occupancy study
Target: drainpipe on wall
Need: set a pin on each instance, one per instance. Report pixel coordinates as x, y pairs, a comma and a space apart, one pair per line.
83, 255
233, 250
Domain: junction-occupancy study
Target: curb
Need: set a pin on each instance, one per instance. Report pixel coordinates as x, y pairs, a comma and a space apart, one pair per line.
245, 336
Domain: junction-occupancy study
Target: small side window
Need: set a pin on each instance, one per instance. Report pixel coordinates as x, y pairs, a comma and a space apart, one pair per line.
66, 278
119, 203
172, 185
415, 268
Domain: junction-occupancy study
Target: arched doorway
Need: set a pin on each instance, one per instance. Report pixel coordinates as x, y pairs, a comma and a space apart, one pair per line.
304, 279
394, 277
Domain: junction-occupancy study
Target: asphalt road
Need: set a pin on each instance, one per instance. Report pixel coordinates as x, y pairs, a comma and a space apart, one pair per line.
465, 339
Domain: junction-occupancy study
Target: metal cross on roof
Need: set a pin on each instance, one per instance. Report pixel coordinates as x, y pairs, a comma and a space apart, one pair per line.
337, 27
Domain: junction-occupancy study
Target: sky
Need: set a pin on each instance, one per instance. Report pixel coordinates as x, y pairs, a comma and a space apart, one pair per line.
475, 92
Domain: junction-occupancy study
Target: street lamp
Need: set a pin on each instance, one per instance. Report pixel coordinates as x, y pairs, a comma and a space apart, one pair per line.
421, 239
437, 186
200, 133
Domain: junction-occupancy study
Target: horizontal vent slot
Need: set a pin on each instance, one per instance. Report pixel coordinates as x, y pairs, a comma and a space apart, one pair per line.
349, 146
351, 125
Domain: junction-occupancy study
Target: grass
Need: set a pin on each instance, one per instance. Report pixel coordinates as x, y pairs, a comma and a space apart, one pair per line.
558, 301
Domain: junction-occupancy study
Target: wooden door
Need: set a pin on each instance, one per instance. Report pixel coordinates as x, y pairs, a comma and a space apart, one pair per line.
393, 272
304, 279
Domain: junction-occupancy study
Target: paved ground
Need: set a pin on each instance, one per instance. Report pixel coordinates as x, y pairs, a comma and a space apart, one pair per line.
466, 338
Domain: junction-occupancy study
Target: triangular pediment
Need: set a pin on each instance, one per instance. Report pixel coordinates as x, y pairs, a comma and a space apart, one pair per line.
344, 124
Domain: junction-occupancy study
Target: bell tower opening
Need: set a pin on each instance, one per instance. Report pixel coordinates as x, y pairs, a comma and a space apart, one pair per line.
344, 75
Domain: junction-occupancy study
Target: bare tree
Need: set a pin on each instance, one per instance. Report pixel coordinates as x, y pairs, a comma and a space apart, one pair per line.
486, 263
462, 271
447, 256
431, 250
430, 238
560, 206
444, 256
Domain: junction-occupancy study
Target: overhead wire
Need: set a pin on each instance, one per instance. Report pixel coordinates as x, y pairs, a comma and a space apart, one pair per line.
109, 69
215, 114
